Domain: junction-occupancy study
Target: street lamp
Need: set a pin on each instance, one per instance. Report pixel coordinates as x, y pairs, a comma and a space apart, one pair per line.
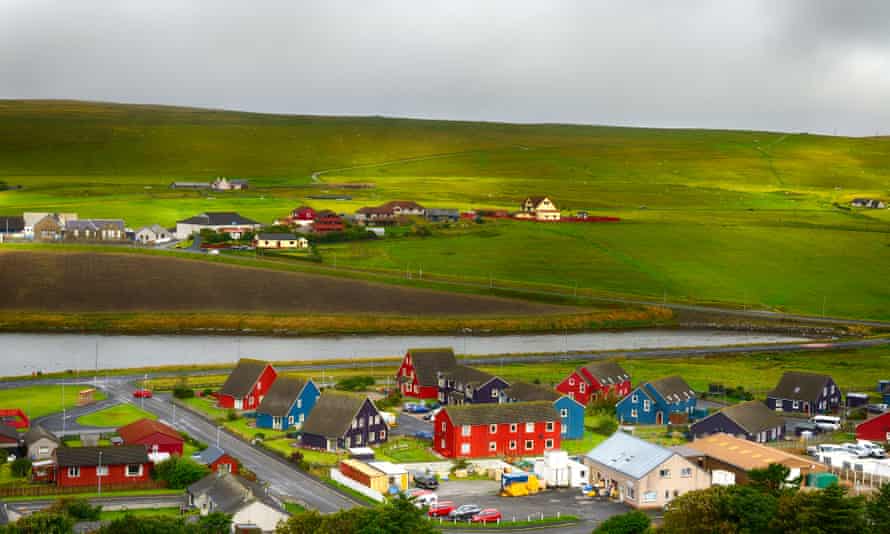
99, 475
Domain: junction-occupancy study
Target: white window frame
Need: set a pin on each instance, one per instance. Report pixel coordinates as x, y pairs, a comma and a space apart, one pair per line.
382, 435
582, 387
512, 445
563, 412
571, 381
529, 444
647, 405
102, 471
299, 403
664, 473
650, 496
550, 426
634, 398
548, 443
530, 427
513, 427
443, 426
633, 412
492, 429
74, 471
466, 430
492, 446
465, 448
494, 393
129, 474
686, 472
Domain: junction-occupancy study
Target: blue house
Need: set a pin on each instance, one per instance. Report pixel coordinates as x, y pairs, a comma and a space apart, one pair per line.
287, 404
665, 400
571, 412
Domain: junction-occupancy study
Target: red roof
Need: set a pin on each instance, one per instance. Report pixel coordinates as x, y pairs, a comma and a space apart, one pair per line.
143, 428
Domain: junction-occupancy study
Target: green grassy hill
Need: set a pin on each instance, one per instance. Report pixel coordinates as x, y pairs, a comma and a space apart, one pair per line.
707, 215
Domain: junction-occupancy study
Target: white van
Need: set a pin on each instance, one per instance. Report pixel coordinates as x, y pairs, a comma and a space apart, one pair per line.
423, 498
827, 422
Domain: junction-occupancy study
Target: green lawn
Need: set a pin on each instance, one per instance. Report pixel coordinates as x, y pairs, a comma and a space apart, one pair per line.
116, 416
245, 427
206, 405
111, 515
37, 401
93, 494
405, 449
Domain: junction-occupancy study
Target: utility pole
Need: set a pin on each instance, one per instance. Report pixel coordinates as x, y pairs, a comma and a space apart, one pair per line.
99, 475
217, 436
64, 411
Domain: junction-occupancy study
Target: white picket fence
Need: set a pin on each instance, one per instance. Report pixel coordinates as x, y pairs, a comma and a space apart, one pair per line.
340, 478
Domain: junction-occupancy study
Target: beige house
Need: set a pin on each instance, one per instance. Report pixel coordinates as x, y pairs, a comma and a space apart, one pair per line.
642, 474
273, 240
539, 208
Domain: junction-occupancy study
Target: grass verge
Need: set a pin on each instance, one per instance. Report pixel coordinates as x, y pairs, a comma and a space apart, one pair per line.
115, 416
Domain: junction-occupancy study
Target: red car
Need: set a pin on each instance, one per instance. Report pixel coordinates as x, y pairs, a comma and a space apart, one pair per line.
142, 394
489, 515
441, 509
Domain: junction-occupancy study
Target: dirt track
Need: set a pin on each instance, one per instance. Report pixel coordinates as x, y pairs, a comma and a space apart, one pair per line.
90, 282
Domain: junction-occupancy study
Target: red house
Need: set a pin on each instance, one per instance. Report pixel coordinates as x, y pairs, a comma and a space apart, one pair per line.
480, 430
154, 436
327, 221
303, 213
118, 466
217, 460
247, 385
596, 380
418, 376
875, 429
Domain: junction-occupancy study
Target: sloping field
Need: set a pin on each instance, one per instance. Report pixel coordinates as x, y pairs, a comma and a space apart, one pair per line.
84, 282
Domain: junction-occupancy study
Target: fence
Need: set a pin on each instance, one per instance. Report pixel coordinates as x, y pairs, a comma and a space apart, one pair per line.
527, 521
339, 478
860, 481
41, 491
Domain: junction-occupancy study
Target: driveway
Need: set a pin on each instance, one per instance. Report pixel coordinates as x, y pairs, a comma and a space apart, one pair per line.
408, 425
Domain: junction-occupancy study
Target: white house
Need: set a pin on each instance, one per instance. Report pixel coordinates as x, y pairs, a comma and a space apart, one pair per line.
558, 470
538, 208
280, 240
219, 221
247, 502
153, 234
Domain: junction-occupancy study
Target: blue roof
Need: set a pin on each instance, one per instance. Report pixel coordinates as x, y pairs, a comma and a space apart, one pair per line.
629, 455
208, 455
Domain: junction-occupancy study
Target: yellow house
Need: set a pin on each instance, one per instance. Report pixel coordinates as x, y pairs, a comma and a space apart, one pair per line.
539, 208
273, 240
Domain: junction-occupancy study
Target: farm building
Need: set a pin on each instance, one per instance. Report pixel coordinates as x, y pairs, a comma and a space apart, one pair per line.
116, 465
12, 226
217, 460
512, 429
342, 420
280, 240
418, 375
246, 385
596, 380
750, 420
397, 476
642, 474
155, 233
872, 203
365, 475
876, 428
190, 185
153, 435
287, 404
723, 454
463, 384
667, 400
571, 412
303, 213
95, 230
327, 221
225, 222
226, 184
247, 502
808, 393
442, 215
539, 209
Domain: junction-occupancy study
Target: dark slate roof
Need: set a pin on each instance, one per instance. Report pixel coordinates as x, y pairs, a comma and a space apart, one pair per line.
36, 433
332, 415
490, 413
429, 362
272, 236
525, 392
673, 388
799, 386
14, 223
281, 396
8, 433
94, 224
229, 492
464, 374
243, 377
607, 372
89, 456
218, 218
209, 455
753, 416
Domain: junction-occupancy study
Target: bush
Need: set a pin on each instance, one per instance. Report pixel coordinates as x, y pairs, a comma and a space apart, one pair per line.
77, 509
232, 415
183, 392
259, 436
180, 472
41, 523
208, 392
634, 522
356, 383
21, 467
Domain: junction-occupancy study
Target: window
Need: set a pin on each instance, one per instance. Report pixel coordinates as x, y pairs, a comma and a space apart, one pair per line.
571, 381
631, 493
494, 393
290, 419
582, 387
376, 419
492, 446
549, 426
650, 496
134, 470
667, 495
73, 471
529, 444
370, 437
564, 412
224, 468
299, 403
493, 429
633, 412
465, 448
443, 426
442, 443
358, 439
513, 427
665, 473
512, 445
302, 417
548, 444
634, 398
686, 472
646, 405
43, 451
795, 405
382, 435
465, 430
102, 471
361, 422
530, 427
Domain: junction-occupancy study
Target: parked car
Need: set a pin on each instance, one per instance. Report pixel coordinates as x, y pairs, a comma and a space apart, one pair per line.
424, 434
489, 515
142, 394
812, 428
827, 422
856, 450
877, 408
414, 407
873, 448
441, 509
423, 498
464, 512
426, 481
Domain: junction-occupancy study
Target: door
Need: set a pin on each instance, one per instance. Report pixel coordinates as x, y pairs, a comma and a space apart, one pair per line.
659, 418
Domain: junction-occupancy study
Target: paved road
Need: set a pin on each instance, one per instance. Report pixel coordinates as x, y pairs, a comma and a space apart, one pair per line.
409, 425
108, 503
283, 478
55, 424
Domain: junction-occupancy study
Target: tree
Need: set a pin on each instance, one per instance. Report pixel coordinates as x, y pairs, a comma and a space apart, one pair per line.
180, 472
76, 509
215, 523
356, 383
146, 524
698, 512
829, 511
634, 522
395, 517
42, 523
771, 479
21, 467
877, 510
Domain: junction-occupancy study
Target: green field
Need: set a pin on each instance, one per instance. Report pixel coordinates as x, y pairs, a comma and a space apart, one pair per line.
116, 416
37, 401
748, 218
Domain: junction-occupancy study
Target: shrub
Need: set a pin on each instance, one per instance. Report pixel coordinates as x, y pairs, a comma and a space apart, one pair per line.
634, 522
77, 509
180, 472
183, 392
21, 467
259, 436
208, 392
356, 383
232, 415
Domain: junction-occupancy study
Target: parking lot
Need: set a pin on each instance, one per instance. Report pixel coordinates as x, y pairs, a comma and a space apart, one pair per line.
485, 493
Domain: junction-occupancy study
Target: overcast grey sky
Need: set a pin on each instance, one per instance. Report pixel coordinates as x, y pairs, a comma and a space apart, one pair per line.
763, 64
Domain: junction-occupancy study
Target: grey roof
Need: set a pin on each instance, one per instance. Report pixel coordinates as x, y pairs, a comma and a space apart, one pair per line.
243, 377
113, 455
12, 223
442, 211
523, 391
37, 432
629, 455
466, 375
607, 372
686, 452
209, 455
796, 385
94, 224
491, 413
229, 492
429, 362
156, 228
673, 388
281, 396
218, 218
332, 415
280, 236
753, 416
9, 432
